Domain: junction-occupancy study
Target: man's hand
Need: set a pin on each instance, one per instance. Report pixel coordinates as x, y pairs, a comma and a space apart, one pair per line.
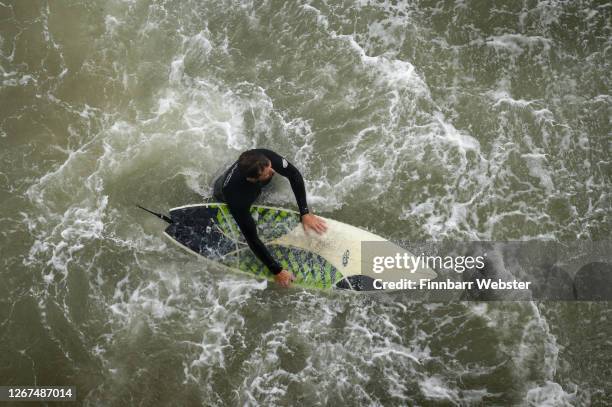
309, 221
284, 278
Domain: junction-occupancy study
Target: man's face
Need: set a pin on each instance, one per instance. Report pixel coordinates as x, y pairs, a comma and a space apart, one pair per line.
266, 173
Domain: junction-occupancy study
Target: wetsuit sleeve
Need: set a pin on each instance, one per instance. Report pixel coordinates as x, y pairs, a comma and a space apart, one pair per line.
247, 226
286, 169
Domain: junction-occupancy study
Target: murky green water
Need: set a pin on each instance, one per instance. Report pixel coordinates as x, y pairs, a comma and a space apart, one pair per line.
423, 120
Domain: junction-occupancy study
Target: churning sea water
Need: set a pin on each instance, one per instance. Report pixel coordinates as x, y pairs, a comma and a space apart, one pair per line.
419, 120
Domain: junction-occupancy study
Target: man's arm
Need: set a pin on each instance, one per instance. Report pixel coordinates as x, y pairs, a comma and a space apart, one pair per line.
249, 230
288, 170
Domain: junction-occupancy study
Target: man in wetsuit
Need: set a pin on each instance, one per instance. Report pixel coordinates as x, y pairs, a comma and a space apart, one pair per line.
241, 184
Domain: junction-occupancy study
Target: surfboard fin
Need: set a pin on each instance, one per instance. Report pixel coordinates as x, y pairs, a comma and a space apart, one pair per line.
159, 215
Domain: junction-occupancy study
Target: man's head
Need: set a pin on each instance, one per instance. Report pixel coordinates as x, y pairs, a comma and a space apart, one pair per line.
255, 166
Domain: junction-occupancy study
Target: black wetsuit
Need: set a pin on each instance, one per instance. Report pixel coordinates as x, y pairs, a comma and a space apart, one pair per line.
239, 194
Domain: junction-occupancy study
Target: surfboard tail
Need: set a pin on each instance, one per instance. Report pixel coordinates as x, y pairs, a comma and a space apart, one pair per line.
159, 215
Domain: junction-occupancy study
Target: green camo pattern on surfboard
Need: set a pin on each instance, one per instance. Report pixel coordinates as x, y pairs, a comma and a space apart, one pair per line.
310, 269
271, 223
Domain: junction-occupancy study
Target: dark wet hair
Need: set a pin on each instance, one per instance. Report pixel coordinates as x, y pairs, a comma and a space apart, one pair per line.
251, 163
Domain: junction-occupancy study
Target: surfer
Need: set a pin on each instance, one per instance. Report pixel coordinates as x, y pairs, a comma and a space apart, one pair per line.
241, 184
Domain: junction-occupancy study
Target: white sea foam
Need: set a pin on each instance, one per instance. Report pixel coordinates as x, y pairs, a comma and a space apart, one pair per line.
112, 23
410, 143
536, 164
516, 44
434, 388
550, 394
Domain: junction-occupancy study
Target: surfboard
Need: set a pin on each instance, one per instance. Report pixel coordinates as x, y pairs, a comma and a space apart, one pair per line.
328, 261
